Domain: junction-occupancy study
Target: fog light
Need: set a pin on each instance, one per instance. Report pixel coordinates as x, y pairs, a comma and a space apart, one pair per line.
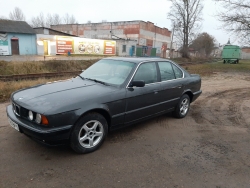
38, 118
31, 115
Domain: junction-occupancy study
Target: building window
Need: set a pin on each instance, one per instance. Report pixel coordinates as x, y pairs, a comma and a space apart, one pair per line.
123, 48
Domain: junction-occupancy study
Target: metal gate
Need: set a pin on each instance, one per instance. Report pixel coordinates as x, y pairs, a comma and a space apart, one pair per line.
145, 51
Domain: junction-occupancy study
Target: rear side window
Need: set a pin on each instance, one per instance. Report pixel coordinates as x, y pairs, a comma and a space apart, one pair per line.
166, 71
178, 72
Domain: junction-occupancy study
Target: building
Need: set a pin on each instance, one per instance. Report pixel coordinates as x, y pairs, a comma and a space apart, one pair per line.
46, 40
49, 31
17, 38
137, 37
63, 44
245, 52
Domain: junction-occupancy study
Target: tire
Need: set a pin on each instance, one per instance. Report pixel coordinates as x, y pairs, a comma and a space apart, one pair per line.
89, 133
182, 107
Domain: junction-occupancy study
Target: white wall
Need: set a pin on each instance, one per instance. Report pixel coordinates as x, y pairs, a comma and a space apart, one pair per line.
51, 44
128, 44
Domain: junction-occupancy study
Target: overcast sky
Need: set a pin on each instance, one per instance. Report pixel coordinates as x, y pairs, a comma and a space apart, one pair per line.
115, 10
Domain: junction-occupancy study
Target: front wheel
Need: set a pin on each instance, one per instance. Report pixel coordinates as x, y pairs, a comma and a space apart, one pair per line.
89, 133
182, 107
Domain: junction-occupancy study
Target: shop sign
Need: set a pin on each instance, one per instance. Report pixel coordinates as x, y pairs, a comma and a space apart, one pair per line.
76, 45
64, 45
4, 48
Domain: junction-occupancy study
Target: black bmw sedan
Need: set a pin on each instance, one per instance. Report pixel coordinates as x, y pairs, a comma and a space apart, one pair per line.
110, 94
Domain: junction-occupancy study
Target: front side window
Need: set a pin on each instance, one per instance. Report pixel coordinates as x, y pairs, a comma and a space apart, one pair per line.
166, 71
109, 71
146, 72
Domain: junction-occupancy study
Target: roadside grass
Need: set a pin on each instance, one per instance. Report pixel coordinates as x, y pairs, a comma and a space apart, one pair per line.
209, 68
6, 88
28, 67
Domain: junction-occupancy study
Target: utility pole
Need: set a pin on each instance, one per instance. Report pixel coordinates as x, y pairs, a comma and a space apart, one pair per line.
171, 45
111, 30
155, 35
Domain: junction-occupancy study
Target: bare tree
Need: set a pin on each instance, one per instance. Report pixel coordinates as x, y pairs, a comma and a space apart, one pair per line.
186, 17
53, 20
67, 19
203, 44
235, 18
17, 15
38, 21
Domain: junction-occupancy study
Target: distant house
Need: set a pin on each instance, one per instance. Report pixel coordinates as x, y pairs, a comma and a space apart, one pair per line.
17, 38
245, 52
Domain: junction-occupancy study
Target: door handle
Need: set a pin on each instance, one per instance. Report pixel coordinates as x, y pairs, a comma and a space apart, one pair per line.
155, 91
178, 87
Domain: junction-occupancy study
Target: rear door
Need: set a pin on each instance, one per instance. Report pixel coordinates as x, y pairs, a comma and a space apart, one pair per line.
171, 85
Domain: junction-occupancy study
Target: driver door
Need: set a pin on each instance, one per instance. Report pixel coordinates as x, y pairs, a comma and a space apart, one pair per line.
142, 102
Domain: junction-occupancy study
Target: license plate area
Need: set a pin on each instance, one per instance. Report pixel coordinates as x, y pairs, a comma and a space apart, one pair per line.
13, 124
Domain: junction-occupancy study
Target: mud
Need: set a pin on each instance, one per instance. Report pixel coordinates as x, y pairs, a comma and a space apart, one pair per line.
208, 148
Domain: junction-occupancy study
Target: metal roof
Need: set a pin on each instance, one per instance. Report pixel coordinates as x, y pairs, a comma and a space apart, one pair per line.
9, 26
67, 34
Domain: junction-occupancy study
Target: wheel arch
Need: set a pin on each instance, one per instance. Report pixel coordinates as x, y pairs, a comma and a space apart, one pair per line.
101, 111
190, 94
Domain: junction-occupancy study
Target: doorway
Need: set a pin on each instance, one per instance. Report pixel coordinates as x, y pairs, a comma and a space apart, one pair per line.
45, 47
15, 46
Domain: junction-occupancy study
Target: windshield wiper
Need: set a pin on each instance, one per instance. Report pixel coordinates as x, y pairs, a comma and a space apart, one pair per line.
98, 81
81, 77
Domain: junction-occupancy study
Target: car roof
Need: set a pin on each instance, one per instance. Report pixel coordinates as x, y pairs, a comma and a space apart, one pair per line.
137, 59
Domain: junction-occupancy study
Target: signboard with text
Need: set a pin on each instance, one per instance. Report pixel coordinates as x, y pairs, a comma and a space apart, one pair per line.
64, 45
77, 45
4, 48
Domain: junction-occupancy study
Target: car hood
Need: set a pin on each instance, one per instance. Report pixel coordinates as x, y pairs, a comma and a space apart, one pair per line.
60, 96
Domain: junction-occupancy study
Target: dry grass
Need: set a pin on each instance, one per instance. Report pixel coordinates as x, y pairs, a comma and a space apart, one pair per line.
209, 68
6, 88
9, 68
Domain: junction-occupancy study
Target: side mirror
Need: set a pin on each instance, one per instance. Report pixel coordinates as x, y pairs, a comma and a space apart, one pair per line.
138, 83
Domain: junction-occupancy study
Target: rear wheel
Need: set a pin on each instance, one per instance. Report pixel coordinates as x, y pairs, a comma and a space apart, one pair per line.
182, 107
89, 133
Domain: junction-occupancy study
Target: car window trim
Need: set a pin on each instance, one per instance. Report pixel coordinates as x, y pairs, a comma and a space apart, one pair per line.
173, 64
157, 73
137, 69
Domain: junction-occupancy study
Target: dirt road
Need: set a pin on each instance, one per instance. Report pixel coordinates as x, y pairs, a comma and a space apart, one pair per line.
208, 148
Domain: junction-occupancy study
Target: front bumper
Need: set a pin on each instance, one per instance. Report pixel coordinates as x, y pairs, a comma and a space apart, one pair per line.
47, 135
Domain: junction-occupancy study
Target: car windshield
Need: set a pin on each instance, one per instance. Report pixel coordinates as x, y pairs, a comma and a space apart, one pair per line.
113, 72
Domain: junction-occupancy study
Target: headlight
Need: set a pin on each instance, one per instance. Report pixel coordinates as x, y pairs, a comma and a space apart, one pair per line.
31, 115
38, 118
